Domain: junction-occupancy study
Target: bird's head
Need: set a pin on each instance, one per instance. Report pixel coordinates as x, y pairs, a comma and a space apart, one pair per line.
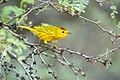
63, 32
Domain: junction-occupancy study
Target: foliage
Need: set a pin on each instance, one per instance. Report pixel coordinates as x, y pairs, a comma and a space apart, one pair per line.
114, 11
118, 25
25, 3
73, 6
45, 24
8, 42
6, 38
8, 10
12, 14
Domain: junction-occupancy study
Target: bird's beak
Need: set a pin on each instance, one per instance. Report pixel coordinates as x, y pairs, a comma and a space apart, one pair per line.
69, 33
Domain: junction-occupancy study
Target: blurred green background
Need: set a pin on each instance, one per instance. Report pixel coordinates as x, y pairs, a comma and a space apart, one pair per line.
86, 37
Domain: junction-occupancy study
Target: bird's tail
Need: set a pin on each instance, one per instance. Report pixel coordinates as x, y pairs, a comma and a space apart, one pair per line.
28, 28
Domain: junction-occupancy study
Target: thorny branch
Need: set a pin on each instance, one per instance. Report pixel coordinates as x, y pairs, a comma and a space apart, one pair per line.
60, 51
10, 67
98, 23
13, 56
48, 67
37, 50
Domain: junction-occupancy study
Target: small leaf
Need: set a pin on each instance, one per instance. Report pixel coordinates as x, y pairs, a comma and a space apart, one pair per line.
113, 7
73, 5
118, 25
112, 14
24, 3
9, 39
22, 45
100, 1
45, 24
113, 17
4, 53
21, 57
115, 12
80, 5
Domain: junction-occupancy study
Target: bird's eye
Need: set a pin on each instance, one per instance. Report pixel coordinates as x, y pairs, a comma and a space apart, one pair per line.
63, 32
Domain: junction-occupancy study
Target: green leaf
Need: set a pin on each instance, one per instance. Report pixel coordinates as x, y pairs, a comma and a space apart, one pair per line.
4, 53
73, 6
112, 14
80, 5
45, 24
21, 57
64, 2
18, 46
118, 25
9, 10
113, 7
114, 11
113, 17
24, 3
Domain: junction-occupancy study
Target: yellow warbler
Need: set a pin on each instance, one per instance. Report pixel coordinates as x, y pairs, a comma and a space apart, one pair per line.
48, 33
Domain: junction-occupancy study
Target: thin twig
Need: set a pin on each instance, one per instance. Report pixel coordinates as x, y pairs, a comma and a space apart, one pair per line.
110, 51
6, 66
98, 23
34, 8
58, 50
20, 62
47, 66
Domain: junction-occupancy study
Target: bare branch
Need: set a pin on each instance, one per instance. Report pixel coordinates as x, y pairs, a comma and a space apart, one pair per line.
25, 67
48, 67
98, 23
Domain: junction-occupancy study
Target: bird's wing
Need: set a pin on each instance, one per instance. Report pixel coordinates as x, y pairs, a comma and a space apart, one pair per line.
46, 30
